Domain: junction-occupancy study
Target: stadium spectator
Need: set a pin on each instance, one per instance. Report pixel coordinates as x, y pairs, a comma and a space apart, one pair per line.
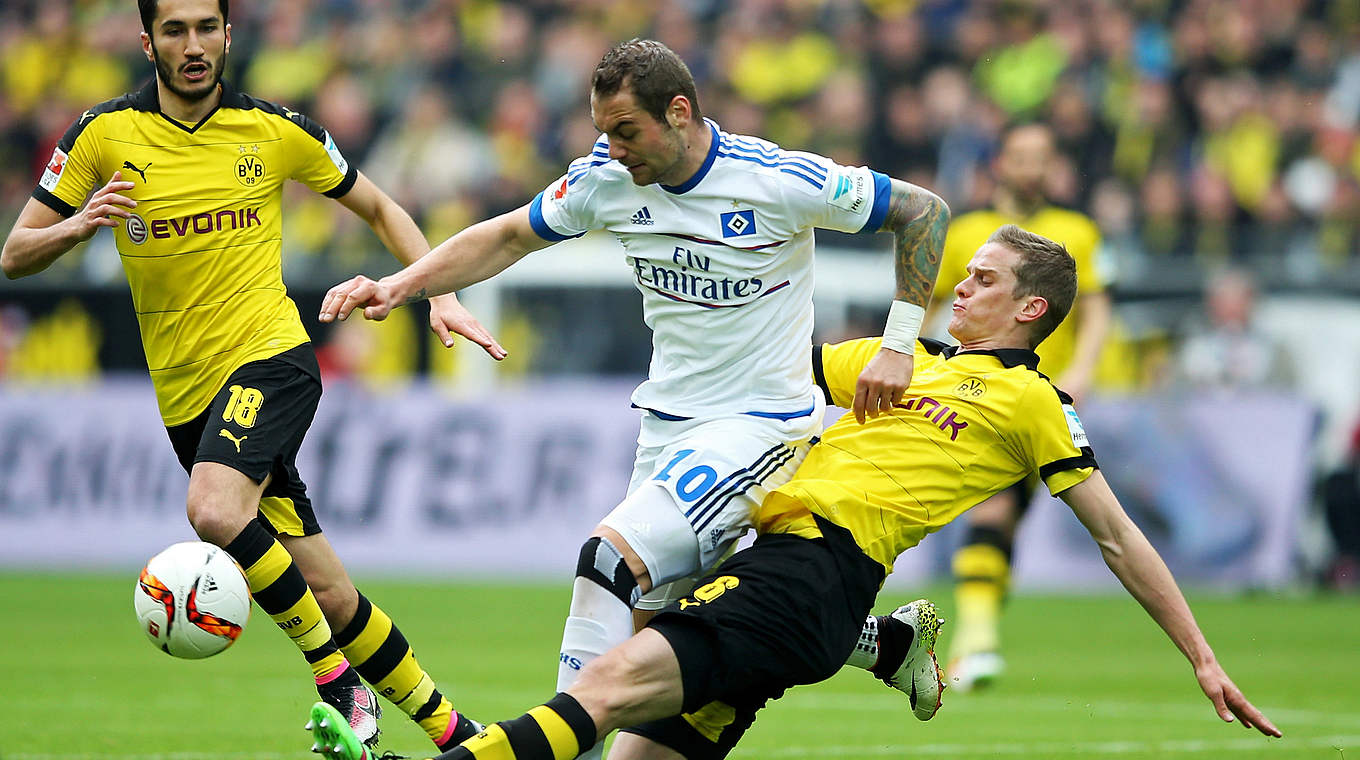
717, 228
1228, 350
785, 611
188, 173
1141, 77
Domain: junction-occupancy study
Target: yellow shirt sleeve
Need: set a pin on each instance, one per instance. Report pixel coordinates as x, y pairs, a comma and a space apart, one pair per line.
319, 164
74, 169
1050, 435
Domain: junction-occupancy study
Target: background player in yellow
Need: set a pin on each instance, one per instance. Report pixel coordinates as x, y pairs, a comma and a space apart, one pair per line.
189, 173
1069, 356
787, 610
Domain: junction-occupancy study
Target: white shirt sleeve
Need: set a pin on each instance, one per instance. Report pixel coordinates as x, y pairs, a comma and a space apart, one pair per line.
564, 209
821, 193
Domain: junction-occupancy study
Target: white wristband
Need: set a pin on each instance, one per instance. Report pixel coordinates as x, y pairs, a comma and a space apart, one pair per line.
904, 325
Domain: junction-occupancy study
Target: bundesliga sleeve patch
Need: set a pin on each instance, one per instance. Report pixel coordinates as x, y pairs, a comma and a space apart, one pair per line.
1074, 427
52, 173
334, 153
849, 189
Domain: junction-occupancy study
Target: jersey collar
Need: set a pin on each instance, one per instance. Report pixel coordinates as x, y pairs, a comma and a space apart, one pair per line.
1009, 357
148, 98
689, 184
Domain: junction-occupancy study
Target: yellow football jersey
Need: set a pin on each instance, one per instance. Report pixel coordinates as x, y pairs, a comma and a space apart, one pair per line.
971, 424
969, 231
203, 248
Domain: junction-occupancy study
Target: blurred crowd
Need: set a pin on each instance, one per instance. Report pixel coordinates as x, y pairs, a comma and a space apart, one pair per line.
1205, 131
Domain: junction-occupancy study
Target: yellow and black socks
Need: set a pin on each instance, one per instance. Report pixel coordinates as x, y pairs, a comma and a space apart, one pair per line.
381, 654
558, 730
277, 586
982, 575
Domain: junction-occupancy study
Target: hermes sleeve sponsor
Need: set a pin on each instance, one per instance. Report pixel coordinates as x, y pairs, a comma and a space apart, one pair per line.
1074, 427
334, 153
849, 189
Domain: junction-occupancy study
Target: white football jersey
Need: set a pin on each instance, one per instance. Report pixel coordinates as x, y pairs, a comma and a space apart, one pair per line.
724, 263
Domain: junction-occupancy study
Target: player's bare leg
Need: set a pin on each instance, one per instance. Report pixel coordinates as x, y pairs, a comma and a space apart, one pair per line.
222, 505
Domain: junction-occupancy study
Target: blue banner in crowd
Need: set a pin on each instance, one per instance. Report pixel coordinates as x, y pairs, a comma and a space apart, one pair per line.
421, 482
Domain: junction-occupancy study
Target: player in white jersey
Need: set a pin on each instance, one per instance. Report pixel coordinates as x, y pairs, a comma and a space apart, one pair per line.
718, 230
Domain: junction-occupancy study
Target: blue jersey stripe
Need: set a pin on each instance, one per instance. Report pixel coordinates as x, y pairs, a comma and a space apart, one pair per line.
882, 194
779, 155
802, 176
540, 224
788, 167
811, 166
786, 416
753, 146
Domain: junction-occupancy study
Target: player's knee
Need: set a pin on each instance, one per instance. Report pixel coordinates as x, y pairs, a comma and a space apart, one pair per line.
337, 600
213, 521
611, 684
602, 563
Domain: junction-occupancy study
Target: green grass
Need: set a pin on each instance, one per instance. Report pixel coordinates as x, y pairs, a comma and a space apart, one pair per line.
1089, 677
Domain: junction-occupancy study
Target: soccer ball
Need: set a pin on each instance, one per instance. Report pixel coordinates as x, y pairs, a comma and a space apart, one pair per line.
192, 600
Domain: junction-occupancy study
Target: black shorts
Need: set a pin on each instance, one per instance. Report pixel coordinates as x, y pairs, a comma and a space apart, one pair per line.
786, 611
255, 425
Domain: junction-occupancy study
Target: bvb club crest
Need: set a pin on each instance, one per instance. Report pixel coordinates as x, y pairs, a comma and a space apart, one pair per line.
249, 168
973, 387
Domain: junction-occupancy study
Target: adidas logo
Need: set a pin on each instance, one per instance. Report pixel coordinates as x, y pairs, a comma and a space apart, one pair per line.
642, 217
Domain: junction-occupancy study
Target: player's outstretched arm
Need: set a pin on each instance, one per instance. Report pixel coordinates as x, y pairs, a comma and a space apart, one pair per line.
401, 236
917, 219
1138, 566
40, 235
473, 255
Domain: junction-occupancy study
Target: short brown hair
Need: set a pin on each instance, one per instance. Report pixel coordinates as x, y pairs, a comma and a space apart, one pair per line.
147, 10
652, 71
1046, 270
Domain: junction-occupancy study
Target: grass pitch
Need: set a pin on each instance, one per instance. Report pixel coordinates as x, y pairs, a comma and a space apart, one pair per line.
1088, 677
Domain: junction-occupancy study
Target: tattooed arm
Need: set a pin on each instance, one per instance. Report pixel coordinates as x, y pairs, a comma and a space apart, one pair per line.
918, 219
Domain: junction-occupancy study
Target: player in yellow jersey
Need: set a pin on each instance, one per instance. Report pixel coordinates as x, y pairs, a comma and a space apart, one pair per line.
189, 173
982, 564
977, 417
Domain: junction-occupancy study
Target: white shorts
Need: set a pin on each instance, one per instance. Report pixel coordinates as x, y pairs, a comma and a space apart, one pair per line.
695, 487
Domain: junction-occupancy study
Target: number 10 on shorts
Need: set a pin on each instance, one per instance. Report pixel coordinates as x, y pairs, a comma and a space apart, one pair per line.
692, 483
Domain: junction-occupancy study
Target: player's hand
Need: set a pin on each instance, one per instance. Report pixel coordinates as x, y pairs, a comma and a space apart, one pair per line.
1229, 701
376, 297
106, 203
882, 383
448, 316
